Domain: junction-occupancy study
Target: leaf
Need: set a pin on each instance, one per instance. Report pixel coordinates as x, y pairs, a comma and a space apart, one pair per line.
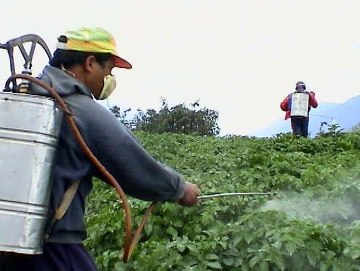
180, 247
148, 228
353, 252
248, 238
192, 247
211, 257
264, 266
237, 240
254, 260
189, 262
290, 248
214, 265
172, 231
279, 261
228, 261
237, 261
277, 245
310, 255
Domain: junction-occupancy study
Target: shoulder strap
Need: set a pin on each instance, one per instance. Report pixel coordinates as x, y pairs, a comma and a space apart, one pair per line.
61, 210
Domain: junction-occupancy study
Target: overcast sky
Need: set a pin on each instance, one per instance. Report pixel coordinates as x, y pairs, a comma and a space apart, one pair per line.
240, 58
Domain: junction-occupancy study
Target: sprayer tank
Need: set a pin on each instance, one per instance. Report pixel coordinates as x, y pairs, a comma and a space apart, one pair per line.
29, 130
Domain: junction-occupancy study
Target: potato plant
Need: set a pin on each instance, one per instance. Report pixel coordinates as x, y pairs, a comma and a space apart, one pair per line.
310, 222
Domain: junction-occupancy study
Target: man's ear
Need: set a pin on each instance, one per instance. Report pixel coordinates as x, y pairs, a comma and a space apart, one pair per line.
89, 63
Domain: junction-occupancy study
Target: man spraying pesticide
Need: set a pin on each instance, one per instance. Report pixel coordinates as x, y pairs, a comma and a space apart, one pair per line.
297, 106
59, 148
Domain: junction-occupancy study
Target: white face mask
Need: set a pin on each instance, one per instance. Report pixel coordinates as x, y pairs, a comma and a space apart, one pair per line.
108, 88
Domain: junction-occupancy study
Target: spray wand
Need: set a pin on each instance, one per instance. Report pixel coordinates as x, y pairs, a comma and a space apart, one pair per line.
233, 194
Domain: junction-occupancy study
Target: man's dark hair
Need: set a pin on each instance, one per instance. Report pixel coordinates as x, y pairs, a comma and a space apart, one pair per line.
68, 58
300, 83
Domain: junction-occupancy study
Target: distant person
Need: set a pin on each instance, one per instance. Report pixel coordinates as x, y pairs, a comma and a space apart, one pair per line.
297, 106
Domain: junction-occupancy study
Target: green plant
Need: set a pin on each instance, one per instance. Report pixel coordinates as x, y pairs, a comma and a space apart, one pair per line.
310, 223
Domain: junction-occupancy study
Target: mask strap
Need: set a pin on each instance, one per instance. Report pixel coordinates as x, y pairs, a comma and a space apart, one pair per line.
67, 71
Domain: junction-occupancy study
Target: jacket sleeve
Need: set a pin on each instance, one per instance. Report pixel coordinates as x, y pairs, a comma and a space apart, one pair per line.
312, 100
284, 104
119, 151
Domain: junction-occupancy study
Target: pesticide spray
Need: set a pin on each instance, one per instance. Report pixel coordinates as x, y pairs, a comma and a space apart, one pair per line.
338, 206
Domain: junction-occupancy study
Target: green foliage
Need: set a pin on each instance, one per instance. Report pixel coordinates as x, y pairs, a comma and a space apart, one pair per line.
312, 222
177, 119
332, 130
122, 115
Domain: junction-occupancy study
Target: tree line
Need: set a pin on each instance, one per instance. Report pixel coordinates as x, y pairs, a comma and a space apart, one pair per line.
179, 119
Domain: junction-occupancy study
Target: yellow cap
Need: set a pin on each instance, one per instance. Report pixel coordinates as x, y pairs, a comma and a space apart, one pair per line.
94, 40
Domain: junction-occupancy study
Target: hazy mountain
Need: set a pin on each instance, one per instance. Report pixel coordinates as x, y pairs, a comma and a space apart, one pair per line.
347, 115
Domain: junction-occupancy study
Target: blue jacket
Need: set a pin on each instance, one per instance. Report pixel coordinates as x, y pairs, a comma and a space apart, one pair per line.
137, 172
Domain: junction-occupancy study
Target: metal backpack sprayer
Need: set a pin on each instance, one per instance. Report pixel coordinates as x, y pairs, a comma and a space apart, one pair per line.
300, 102
29, 129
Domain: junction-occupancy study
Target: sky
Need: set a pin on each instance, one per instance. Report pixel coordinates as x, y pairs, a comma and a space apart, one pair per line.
240, 58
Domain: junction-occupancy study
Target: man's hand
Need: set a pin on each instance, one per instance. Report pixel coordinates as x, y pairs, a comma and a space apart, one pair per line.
190, 197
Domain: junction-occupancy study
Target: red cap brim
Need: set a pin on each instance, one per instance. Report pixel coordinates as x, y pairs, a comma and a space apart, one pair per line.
121, 63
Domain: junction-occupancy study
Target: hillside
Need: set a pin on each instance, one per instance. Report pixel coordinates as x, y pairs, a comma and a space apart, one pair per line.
345, 114
309, 222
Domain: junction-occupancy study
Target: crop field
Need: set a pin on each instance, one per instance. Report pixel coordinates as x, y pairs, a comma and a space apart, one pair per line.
311, 221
